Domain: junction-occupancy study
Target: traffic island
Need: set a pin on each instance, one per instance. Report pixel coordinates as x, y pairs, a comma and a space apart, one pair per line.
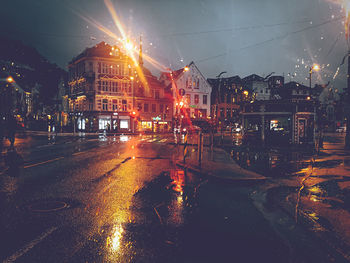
217, 164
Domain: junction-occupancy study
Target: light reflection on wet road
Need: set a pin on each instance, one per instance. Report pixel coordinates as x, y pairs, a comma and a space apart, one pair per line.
127, 202
315, 188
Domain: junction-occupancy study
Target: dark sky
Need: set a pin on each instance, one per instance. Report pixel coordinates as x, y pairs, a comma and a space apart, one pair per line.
238, 36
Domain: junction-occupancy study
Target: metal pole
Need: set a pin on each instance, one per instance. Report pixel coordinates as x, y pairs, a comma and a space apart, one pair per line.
347, 110
310, 72
185, 148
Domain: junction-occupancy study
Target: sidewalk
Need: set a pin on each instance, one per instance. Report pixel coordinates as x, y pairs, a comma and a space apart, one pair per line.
217, 164
80, 134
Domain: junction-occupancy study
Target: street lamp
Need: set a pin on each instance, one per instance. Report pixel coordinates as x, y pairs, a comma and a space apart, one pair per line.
315, 67
9, 79
347, 110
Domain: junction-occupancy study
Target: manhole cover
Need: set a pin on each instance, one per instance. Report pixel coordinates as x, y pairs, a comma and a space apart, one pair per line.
48, 206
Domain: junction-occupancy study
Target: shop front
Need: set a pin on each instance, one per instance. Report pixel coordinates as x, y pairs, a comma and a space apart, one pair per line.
155, 126
266, 122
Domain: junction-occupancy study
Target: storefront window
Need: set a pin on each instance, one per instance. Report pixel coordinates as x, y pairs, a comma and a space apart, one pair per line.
104, 123
124, 124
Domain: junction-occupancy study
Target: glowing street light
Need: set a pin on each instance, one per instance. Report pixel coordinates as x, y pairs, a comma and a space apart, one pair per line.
315, 67
186, 68
10, 79
128, 46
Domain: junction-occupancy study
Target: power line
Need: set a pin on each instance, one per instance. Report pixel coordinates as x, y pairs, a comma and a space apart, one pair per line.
333, 45
273, 39
232, 29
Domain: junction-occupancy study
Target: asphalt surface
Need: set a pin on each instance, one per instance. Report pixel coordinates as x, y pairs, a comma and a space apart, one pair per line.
123, 199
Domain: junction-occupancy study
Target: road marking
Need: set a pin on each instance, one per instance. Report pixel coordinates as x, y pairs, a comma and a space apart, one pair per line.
163, 140
36, 164
45, 145
77, 153
160, 219
29, 246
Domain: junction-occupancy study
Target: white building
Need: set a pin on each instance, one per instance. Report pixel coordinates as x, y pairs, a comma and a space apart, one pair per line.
191, 92
259, 86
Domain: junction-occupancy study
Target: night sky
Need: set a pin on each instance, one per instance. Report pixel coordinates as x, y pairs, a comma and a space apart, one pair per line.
238, 36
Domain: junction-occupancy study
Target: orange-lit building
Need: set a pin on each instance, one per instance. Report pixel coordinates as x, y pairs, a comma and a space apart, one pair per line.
107, 93
153, 104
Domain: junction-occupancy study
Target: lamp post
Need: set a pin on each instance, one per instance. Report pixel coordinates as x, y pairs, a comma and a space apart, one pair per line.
347, 110
315, 67
217, 105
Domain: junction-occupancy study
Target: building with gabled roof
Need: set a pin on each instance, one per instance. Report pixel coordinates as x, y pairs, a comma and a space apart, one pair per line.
191, 92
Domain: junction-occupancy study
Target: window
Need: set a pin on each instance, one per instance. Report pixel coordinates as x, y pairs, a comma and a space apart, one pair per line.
156, 94
115, 105
161, 108
222, 112
205, 99
154, 108
91, 105
124, 124
188, 99
99, 67
196, 99
146, 107
124, 105
228, 98
139, 106
104, 104
228, 113
104, 123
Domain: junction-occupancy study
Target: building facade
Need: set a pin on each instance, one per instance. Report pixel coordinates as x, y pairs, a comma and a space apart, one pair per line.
258, 85
190, 91
153, 104
109, 91
226, 97
101, 89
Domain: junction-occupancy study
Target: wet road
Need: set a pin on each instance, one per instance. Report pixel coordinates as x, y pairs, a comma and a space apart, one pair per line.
312, 188
122, 199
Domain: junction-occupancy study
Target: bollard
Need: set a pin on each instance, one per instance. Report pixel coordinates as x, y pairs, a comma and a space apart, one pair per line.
185, 148
200, 148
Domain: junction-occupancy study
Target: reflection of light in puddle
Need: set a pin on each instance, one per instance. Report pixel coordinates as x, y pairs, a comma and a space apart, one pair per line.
179, 200
313, 216
315, 190
124, 138
114, 241
314, 198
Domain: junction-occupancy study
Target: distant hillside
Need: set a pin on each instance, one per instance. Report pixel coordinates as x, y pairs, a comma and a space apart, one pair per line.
27, 66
